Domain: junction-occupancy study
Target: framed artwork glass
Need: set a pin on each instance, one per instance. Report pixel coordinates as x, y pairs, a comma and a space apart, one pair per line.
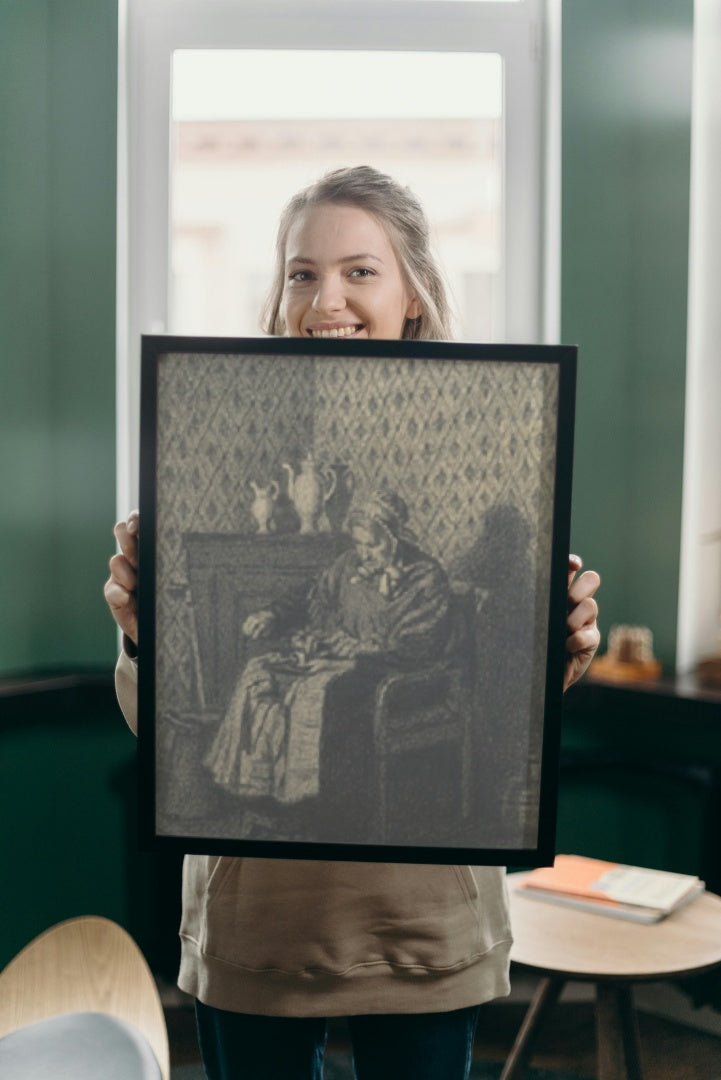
352, 597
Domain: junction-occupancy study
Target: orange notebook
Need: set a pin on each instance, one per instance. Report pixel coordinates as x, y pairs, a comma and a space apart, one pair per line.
632, 892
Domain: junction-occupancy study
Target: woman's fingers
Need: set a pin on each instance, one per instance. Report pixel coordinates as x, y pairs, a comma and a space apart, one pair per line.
575, 562
123, 607
584, 612
126, 534
120, 588
582, 633
123, 572
584, 586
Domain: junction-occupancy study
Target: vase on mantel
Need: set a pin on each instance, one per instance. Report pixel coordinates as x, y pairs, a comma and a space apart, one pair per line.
263, 505
309, 490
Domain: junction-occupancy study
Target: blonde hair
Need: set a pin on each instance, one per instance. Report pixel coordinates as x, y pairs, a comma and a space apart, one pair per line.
403, 217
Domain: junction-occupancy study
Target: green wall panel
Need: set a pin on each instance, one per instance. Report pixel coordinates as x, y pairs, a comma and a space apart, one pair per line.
82, 299
26, 491
58, 76
626, 146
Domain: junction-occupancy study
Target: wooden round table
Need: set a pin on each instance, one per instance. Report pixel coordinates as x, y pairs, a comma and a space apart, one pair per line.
563, 944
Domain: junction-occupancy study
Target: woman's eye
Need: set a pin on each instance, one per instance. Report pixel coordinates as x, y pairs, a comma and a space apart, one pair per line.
300, 275
362, 272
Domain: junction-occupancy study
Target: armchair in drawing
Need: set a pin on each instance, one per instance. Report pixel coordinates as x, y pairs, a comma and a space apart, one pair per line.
429, 708
398, 742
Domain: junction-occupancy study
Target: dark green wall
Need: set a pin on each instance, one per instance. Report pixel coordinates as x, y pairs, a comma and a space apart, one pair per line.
58, 73
626, 146
67, 761
641, 778
68, 804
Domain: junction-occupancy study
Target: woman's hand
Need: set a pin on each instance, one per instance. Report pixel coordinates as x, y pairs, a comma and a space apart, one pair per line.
341, 645
583, 635
121, 587
259, 624
304, 645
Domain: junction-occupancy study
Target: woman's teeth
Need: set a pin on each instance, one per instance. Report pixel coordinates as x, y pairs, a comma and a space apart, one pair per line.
337, 331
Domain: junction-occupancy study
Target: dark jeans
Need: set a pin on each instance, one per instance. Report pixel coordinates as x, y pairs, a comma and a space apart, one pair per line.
417, 1046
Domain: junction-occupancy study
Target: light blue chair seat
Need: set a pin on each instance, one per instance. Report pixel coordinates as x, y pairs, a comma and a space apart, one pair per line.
78, 1046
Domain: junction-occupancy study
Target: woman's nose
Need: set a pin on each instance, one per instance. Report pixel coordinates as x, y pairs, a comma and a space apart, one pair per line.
329, 296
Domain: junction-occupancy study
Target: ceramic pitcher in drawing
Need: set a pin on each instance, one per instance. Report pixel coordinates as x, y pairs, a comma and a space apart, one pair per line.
309, 490
263, 505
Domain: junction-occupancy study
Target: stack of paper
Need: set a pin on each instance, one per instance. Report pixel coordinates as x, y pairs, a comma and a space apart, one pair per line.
608, 888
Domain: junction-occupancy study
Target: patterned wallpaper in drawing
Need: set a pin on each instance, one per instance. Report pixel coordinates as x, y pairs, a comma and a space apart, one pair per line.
455, 439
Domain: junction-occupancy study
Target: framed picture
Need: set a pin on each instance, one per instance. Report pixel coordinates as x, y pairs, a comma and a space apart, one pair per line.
352, 597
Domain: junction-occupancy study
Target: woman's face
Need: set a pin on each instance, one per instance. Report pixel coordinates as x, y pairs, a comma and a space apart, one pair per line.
342, 277
373, 547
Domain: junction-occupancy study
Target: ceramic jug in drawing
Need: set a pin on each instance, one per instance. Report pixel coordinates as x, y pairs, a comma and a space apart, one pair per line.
263, 505
309, 490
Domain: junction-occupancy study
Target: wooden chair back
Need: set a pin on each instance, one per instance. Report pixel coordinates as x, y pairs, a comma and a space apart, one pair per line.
87, 964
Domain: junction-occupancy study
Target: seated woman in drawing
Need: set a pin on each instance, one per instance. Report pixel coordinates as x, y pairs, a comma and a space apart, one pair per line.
382, 600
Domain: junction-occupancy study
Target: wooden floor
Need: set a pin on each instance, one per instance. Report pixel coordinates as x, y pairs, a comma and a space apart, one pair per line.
669, 1051
567, 1042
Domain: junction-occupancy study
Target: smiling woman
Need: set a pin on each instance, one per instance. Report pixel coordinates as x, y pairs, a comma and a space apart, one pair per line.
271, 946
353, 259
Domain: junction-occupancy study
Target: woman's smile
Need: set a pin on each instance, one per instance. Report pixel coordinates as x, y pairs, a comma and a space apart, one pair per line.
335, 331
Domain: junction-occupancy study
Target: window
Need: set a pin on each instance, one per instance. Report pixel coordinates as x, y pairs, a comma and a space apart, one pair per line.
449, 96
235, 161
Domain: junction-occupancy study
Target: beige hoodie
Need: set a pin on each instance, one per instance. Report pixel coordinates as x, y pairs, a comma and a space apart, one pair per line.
285, 937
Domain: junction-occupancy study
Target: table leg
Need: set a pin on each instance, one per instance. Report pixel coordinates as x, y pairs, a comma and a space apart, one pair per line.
545, 997
617, 1033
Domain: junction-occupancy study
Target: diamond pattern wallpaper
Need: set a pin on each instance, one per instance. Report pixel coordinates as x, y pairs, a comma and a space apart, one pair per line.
469, 446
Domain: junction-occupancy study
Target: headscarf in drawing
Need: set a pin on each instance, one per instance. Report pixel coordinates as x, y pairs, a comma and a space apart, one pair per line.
385, 510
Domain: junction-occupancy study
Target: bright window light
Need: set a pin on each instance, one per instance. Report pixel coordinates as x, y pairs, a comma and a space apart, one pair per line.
239, 155
220, 84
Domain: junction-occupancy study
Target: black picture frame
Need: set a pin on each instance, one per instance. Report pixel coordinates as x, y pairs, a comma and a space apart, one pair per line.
402, 511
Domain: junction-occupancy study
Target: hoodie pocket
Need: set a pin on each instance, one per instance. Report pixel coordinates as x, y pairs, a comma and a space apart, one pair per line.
469, 886
293, 916
202, 876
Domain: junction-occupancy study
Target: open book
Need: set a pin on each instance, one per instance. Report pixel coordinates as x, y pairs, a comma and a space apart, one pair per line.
608, 888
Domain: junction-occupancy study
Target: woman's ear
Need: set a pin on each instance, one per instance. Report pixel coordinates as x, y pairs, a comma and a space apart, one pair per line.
415, 309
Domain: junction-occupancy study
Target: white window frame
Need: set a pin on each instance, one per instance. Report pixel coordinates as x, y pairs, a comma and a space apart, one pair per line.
526, 34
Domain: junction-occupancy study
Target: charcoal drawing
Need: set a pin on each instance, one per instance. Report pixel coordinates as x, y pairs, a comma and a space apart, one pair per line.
352, 595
